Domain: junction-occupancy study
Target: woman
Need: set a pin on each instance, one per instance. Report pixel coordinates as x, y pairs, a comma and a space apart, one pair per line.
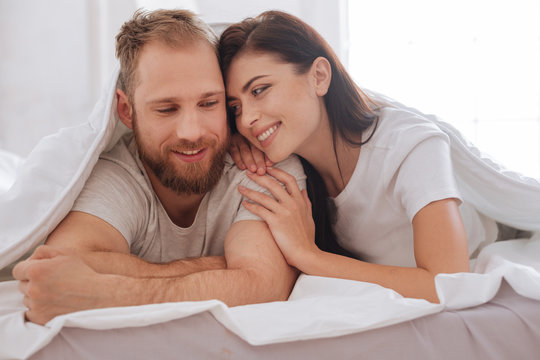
387, 171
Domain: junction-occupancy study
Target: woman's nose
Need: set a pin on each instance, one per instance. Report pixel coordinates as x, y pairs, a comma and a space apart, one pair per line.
250, 115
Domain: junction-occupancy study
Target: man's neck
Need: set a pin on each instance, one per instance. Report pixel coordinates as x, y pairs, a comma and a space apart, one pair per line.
181, 209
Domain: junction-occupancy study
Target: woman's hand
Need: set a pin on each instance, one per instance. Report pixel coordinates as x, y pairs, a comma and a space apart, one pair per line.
247, 156
288, 215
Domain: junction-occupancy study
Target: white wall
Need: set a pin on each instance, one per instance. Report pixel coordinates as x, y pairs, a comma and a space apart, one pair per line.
58, 54
43, 69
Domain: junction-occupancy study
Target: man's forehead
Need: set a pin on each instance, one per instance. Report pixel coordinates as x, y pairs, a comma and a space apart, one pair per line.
169, 72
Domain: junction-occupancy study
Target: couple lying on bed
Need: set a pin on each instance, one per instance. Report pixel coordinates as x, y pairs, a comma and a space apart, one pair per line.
167, 216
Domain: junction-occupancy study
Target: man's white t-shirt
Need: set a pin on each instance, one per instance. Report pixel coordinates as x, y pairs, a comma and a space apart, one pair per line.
405, 166
119, 192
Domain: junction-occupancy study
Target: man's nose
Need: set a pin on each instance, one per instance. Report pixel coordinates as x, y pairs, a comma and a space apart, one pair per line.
189, 126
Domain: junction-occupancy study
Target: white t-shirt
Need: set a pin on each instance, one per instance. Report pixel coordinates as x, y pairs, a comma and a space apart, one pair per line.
405, 166
119, 192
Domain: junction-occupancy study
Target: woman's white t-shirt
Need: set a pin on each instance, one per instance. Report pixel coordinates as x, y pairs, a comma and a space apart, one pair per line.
405, 166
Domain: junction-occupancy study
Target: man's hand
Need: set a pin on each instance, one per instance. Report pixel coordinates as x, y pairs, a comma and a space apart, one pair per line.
56, 282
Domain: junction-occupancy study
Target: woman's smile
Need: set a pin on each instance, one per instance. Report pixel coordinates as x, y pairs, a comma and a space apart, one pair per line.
266, 137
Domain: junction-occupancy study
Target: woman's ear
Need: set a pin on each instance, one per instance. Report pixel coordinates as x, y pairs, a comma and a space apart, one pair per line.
322, 72
124, 108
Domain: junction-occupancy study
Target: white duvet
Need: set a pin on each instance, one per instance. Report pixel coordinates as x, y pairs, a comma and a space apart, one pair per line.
50, 179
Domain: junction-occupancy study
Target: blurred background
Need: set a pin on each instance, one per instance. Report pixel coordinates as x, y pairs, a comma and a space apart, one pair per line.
475, 63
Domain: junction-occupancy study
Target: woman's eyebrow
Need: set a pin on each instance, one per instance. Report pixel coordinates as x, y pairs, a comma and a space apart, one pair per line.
248, 84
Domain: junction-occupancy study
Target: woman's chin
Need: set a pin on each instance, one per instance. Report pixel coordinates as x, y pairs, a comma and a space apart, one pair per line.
275, 158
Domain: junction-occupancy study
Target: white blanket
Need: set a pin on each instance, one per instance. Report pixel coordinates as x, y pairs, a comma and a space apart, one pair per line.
9, 163
50, 179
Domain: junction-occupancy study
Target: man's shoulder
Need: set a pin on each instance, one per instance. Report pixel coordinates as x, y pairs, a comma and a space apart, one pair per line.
292, 165
118, 169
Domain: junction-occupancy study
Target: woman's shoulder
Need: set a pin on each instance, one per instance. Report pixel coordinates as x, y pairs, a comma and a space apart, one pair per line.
401, 126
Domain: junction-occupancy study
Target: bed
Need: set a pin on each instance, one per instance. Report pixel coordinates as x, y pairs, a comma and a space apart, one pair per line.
493, 312
507, 327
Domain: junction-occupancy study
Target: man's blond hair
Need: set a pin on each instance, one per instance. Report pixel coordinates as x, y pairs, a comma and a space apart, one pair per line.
175, 28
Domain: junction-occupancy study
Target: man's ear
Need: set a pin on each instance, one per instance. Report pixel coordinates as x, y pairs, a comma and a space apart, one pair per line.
322, 73
124, 108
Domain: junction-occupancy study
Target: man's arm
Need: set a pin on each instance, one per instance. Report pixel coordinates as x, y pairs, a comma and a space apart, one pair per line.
257, 272
106, 250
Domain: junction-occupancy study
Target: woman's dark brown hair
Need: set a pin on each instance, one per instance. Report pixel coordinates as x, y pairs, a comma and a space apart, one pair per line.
350, 111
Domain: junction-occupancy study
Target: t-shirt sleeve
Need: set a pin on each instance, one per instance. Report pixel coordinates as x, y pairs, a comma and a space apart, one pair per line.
426, 175
113, 195
291, 165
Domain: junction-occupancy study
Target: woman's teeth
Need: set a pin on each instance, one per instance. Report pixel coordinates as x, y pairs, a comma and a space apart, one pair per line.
267, 133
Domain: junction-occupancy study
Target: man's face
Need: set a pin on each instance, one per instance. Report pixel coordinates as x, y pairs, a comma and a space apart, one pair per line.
179, 116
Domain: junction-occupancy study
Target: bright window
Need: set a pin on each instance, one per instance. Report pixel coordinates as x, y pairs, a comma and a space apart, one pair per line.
475, 63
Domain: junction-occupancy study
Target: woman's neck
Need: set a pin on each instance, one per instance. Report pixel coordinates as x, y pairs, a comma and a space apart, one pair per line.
335, 165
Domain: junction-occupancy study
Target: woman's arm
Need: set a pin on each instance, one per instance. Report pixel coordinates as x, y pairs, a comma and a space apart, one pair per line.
440, 243
440, 246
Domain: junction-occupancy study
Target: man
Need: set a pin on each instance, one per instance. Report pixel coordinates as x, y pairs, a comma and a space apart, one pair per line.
166, 191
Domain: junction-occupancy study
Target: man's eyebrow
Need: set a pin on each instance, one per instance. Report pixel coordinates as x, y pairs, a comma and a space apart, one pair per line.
212, 93
247, 85
162, 101
169, 100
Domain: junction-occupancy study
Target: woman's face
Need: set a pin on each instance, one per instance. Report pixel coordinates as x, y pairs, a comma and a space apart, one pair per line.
276, 109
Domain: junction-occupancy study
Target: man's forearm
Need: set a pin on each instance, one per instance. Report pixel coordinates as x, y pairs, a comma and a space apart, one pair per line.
233, 287
133, 266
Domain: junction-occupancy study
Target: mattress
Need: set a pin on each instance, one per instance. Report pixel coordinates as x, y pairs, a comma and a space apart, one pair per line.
507, 327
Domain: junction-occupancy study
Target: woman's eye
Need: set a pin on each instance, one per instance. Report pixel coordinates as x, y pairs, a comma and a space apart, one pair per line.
259, 90
235, 109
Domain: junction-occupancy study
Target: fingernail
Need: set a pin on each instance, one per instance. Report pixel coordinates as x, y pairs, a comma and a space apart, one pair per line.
253, 168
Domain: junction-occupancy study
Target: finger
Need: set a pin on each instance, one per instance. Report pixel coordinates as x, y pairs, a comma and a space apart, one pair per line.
237, 158
285, 178
20, 270
44, 252
267, 201
272, 185
258, 156
258, 210
32, 316
247, 156
306, 199
267, 161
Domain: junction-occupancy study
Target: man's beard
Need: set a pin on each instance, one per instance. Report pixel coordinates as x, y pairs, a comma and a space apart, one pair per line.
190, 178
